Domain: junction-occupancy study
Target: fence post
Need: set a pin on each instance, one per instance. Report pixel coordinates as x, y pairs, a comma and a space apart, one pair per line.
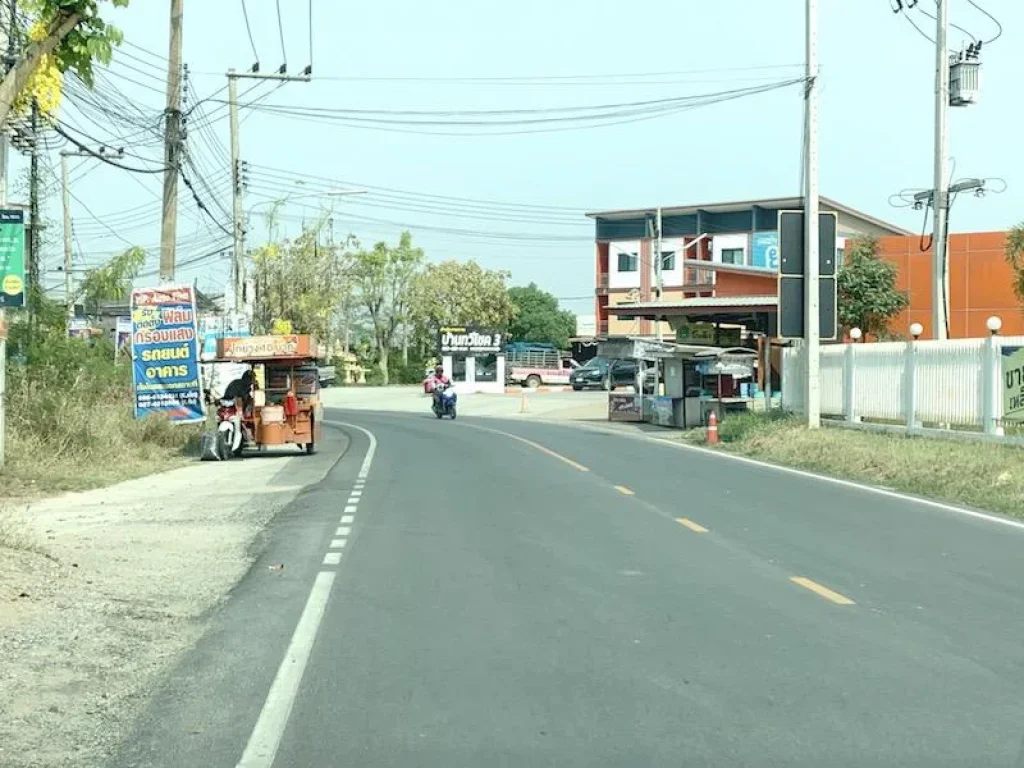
990, 387
849, 394
910, 385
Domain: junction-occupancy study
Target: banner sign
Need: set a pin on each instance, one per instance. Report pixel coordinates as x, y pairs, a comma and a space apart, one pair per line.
12, 258
764, 250
122, 337
469, 340
165, 352
623, 407
214, 327
266, 347
1013, 383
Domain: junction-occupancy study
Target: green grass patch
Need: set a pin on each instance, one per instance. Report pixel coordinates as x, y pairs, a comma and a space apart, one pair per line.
982, 475
70, 426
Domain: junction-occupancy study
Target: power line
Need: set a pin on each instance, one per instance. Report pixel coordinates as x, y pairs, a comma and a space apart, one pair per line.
248, 29
999, 27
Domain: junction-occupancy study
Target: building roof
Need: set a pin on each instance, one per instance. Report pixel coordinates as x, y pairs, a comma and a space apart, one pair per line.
827, 203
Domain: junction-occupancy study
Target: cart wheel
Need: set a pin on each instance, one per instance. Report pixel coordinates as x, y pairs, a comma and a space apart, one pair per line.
311, 445
310, 449
238, 451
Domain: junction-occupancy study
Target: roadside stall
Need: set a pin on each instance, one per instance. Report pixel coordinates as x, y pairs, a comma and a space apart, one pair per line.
644, 403
286, 407
727, 380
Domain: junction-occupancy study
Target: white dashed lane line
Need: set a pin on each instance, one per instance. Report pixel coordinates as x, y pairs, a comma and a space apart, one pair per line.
265, 739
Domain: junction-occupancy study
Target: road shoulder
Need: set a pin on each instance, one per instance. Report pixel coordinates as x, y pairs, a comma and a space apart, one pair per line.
107, 588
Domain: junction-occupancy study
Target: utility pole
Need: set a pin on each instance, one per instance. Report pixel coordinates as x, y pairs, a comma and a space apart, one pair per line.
172, 148
236, 168
659, 281
238, 270
34, 289
7, 36
940, 199
812, 311
66, 200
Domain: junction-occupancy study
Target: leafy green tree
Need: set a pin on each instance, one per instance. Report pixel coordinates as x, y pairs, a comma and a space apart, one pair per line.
461, 292
866, 285
539, 318
1014, 252
65, 35
111, 281
300, 283
382, 278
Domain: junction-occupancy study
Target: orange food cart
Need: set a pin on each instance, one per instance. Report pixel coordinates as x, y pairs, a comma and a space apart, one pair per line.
286, 404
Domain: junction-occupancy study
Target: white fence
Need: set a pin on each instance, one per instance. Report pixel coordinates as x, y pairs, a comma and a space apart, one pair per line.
917, 384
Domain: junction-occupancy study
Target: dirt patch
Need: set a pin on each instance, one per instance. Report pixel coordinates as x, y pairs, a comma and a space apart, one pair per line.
103, 590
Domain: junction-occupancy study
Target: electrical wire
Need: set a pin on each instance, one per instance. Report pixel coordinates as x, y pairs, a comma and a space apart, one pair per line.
280, 30
999, 26
248, 29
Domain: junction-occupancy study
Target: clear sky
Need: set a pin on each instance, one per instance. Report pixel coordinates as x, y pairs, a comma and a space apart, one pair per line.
876, 120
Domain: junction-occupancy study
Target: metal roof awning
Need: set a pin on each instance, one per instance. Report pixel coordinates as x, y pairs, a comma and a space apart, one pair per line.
719, 307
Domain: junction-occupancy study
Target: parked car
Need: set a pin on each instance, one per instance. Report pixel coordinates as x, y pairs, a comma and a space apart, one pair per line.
602, 373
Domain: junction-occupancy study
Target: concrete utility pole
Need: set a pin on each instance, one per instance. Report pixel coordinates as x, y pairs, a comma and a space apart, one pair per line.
812, 309
7, 38
172, 148
940, 199
69, 298
236, 169
659, 281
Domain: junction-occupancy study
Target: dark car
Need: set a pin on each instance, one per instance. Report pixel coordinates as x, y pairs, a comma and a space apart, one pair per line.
608, 374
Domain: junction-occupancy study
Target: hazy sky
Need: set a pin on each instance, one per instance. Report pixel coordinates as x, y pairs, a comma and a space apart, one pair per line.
876, 119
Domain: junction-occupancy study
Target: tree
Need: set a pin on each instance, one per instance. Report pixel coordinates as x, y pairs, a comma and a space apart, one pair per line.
538, 317
866, 286
66, 35
382, 277
459, 293
299, 283
1014, 252
111, 281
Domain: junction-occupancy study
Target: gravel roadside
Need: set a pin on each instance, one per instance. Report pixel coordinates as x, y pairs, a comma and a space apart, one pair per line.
106, 588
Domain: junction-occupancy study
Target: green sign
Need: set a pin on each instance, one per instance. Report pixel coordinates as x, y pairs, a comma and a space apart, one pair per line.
12, 258
1013, 383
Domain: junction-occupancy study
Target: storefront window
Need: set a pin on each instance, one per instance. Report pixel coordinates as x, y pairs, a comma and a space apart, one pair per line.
487, 368
458, 368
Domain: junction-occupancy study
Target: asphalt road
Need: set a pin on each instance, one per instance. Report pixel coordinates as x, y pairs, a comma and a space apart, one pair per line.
522, 594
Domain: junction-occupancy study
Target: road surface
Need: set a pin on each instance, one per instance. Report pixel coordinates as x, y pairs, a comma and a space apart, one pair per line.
507, 593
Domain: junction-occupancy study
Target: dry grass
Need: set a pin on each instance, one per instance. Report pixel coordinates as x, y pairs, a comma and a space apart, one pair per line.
982, 475
74, 430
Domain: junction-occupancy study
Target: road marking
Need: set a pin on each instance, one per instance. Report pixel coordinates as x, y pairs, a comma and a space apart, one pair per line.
624, 490
266, 736
338, 543
265, 739
347, 519
356, 494
853, 484
825, 592
536, 446
695, 527
343, 530
350, 509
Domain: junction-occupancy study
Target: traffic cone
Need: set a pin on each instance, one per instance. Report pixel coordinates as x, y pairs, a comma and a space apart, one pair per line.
712, 436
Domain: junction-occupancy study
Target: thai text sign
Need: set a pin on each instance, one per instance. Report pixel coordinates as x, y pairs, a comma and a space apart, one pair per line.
265, 347
12, 258
1013, 383
165, 352
469, 340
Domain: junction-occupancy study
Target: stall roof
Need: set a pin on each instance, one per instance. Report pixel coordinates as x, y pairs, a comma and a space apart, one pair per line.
697, 305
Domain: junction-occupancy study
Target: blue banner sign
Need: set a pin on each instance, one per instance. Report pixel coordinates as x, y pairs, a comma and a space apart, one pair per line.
765, 250
165, 354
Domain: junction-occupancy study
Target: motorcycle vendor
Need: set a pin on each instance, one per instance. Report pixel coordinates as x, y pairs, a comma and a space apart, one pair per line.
239, 392
440, 380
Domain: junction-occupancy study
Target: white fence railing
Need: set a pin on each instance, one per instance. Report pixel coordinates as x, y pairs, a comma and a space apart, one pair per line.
918, 384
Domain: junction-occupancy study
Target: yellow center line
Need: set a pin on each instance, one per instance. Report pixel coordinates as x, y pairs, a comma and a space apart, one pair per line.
537, 446
825, 592
695, 527
624, 490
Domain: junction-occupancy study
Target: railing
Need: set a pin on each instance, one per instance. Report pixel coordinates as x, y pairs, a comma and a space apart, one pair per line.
918, 385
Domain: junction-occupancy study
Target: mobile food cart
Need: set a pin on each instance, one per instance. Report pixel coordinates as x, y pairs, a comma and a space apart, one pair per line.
286, 405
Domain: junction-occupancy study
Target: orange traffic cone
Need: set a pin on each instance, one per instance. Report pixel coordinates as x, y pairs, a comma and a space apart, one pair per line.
712, 438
